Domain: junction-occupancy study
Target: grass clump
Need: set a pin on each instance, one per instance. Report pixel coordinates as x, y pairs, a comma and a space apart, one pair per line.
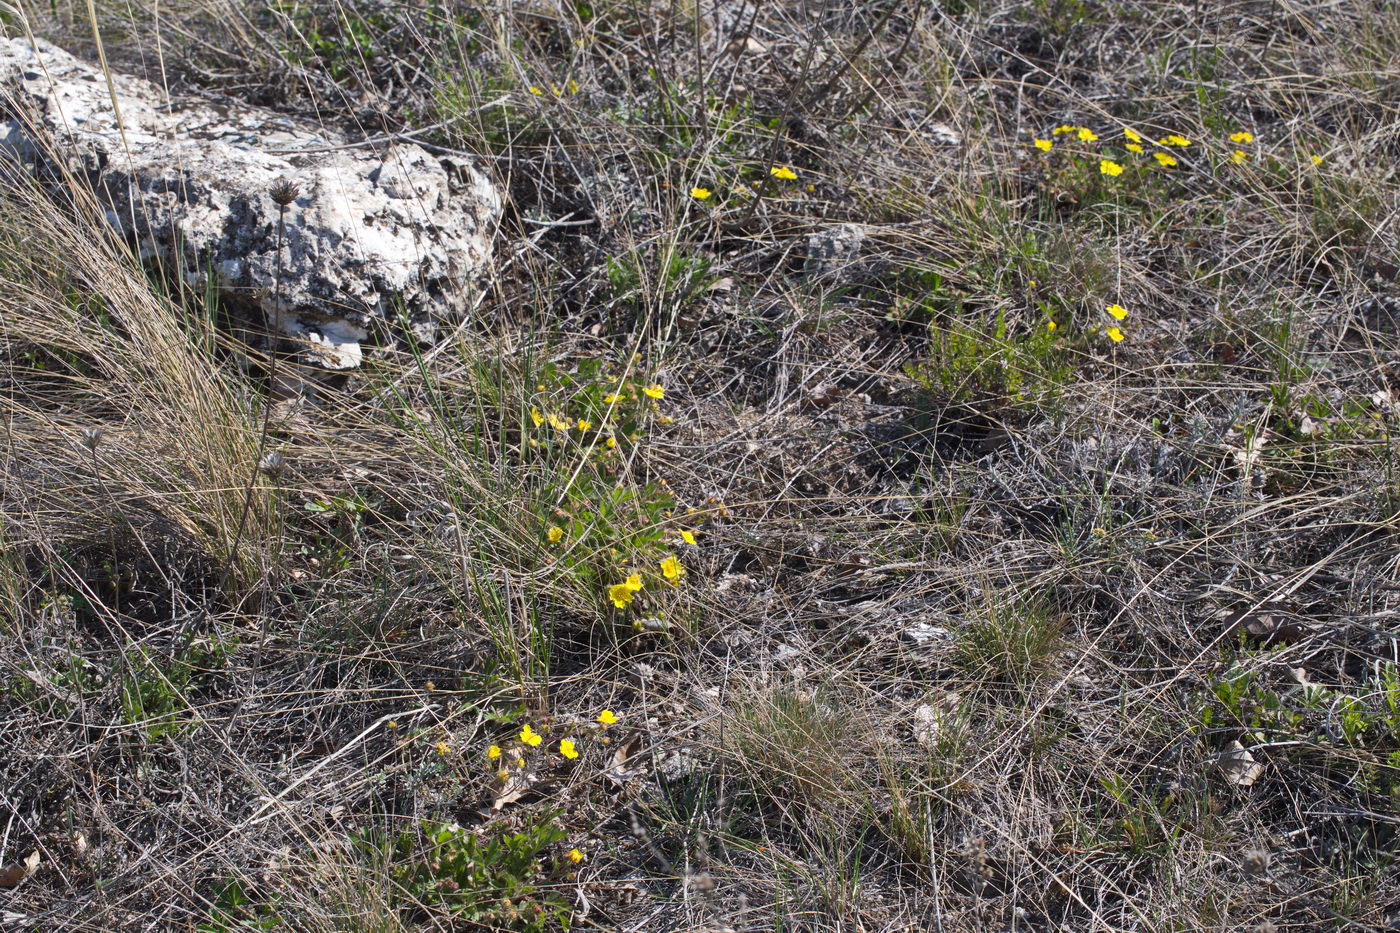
1010, 646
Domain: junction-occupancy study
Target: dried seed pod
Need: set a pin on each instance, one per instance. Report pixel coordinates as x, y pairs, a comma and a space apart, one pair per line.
283, 192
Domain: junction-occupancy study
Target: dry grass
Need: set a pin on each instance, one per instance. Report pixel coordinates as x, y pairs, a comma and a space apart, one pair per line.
977, 609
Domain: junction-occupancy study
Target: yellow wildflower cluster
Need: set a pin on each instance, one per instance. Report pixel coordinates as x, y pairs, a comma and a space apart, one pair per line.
622, 593
563, 425
1118, 313
671, 569
1136, 143
780, 172
569, 87
529, 739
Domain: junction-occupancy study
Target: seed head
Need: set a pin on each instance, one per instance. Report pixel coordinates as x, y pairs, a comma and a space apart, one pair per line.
282, 192
273, 464
91, 438
1255, 861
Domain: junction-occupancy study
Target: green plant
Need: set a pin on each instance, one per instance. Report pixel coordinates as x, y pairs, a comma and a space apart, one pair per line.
485, 110
1148, 821
924, 780
337, 39
155, 692
971, 358
495, 879
235, 910
797, 743
338, 527
664, 276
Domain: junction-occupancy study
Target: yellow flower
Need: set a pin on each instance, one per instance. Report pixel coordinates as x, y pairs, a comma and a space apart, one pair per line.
530, 737
1132, 135
1110, 167
575, 856
634, 582
493, 752
584, 425
1114, 334
607, 717
1133, 147
611, 398
566, 748
536, 90
1164, 158
443, 748
1063, 128
1243, 136
700, 194
620, 594
783, 172
1044, 145
536, 417
554, 534
671, 569
1238, 157
1086, 135
520, 762
557, 423
1174, 139
611, 442
571, 86
687, 536
654, 391
503, 775
1317, 160
1118, 311
1051, 325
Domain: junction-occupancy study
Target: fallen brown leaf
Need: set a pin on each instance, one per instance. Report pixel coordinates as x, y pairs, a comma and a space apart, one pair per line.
14, 874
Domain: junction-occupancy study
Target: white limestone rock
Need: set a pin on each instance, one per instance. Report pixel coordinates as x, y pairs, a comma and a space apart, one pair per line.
374, 228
